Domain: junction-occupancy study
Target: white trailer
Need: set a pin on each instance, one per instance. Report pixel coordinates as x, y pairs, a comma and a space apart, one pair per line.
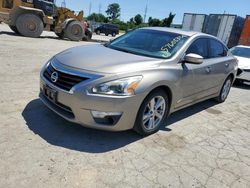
225, 26
193, 22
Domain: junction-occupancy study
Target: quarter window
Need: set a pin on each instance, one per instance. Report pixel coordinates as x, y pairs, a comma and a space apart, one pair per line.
217, 49
200, 47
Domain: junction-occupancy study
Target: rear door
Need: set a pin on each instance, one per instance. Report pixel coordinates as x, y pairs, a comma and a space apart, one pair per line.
203, 75
220, 63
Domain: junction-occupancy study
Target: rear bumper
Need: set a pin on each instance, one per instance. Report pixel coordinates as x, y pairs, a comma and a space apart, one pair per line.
77, 107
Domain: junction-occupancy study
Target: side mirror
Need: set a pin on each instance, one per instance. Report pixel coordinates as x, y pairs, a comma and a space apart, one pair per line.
193, 59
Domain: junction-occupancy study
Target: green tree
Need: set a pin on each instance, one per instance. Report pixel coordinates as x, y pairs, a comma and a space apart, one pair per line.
154, 21
166, 22
97, 17
113, 11
131, 20
138, 19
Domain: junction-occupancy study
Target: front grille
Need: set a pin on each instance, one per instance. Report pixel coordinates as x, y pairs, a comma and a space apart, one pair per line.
65, 81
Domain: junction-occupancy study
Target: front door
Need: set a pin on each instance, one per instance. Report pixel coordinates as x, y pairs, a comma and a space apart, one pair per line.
197, 80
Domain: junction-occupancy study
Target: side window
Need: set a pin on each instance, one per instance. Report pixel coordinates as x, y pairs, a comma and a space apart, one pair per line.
216, 49
200, 47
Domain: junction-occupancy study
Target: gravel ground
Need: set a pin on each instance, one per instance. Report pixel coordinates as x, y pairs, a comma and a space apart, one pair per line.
207, 145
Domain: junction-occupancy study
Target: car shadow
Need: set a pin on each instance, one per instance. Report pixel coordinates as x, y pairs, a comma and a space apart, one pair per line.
244, 85
189, 111
59, 132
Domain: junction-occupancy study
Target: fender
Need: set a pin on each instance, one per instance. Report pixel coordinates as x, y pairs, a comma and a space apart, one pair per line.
25, 10
66, 22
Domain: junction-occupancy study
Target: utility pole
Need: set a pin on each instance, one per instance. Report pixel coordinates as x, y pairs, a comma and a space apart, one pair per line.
146, 11
100, 8
63, 4
90, 7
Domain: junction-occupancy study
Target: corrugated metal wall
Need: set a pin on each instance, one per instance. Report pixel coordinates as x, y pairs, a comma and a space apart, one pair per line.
193, 22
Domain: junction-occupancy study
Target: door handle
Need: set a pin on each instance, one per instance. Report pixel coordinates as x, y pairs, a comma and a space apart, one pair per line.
208, 69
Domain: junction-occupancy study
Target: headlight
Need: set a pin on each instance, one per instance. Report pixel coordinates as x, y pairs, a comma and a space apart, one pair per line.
124, 86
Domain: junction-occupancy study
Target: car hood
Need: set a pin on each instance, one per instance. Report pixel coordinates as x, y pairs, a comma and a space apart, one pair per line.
98, 58
243, 63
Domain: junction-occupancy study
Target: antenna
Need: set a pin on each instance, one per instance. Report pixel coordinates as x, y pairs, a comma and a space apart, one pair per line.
146, 11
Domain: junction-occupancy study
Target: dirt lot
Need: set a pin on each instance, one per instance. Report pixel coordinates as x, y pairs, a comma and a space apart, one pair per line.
207, 145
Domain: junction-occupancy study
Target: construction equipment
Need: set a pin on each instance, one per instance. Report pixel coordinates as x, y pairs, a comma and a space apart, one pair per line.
31, 17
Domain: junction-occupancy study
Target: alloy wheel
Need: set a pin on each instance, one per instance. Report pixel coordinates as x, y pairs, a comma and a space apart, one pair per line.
153, 113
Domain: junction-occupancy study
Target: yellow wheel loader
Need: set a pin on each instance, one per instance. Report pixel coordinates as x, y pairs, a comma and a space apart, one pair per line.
31, 17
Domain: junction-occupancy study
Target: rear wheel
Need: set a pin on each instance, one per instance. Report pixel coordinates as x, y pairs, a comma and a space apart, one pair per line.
113, 34
74, 31
13, 28
224, 90
106, 34
29, 25
152, 113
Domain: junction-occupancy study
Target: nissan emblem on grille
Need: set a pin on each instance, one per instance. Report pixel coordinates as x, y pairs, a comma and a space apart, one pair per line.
54, 77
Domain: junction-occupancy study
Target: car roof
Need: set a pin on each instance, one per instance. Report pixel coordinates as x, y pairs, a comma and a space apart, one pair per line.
243, 46
174, 30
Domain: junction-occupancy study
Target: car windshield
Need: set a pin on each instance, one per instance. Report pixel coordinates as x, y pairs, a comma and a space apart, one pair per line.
151, 43
241, 51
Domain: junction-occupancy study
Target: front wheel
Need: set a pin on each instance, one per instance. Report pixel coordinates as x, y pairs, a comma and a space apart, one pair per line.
152, 113
224, 90
74, 31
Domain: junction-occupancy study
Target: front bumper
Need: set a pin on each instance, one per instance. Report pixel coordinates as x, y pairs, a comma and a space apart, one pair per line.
77, 106
243, 75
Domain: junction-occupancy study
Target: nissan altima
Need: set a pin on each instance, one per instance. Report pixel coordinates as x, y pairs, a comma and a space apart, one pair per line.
137, 80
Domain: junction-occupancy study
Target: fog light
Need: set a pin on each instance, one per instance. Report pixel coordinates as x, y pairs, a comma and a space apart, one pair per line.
106, 118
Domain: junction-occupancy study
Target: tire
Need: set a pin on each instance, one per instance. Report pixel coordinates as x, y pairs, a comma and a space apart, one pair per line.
74, 31
113, 34
149, 116
106, 34
60, 35
98, 32
88, 35
14, 29
224, 90
29, 25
